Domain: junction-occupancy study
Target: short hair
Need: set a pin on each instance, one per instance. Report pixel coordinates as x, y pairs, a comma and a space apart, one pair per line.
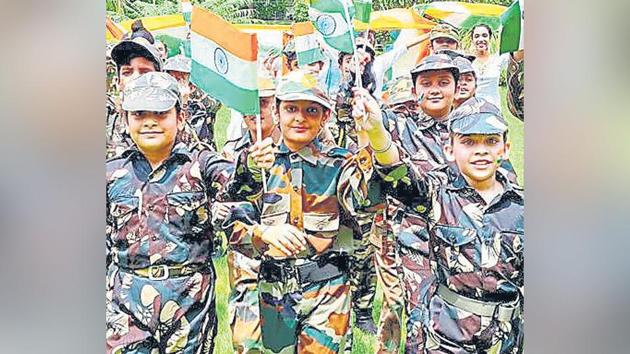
127, 59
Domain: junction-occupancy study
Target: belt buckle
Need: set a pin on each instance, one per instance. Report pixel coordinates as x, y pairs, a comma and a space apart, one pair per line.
161, 270
507, 311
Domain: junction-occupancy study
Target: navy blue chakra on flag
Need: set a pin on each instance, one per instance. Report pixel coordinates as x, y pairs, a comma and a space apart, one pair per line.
326, 24
220, 61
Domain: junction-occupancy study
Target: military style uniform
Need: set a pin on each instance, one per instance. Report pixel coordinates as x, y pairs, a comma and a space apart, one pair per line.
160, 277
305, 301
423, 138
476, 255
516, 87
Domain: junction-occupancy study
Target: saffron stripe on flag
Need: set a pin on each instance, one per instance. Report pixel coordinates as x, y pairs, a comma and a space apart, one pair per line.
241, 44
209, 54
302, 28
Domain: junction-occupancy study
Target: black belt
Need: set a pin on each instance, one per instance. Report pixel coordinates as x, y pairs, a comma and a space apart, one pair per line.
325, 267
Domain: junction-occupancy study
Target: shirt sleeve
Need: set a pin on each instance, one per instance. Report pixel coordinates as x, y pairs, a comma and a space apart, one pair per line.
227, 181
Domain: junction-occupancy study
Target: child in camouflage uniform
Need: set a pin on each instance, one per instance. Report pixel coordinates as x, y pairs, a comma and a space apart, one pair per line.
160, 277
313, 189
475, 230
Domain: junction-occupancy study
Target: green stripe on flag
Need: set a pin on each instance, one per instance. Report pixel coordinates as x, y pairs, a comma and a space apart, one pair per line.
511, 30
216, 86
363, 10
310, 56
329, 6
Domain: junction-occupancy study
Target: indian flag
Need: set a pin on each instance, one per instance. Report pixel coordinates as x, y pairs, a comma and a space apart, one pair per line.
512, 28
306, 46
329, 18
224, 61
186, 10
363, 10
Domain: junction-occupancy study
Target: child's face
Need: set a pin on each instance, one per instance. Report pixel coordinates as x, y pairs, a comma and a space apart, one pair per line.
443, 43
477, 156
267, 105
300, 122
438, 90
466, 87
136, 67
154, 132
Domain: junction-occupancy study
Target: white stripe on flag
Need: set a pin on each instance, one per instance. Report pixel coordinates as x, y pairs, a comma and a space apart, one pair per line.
207, 53
329, 24
187, 7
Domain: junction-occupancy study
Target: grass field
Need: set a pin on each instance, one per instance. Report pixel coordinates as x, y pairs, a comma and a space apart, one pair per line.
363, 343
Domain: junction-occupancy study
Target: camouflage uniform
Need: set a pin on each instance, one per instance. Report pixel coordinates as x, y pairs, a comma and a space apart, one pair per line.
386, 259
160, 277
363, 275
516, 87
202, 112
243, 267
423, 138
476, 255
305, 301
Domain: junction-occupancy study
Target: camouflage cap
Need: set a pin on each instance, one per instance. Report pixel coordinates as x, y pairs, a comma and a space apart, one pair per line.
178, 63
464, 65
266, 84
138, 45
153, 91
301, 85
443, 31
361, 42
477, 116
400, 90
435, 62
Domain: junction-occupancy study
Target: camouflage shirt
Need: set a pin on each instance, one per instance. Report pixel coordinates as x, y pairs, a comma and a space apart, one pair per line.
161, 216
117, 139
317, 189
201, 115
516, 87
476, 248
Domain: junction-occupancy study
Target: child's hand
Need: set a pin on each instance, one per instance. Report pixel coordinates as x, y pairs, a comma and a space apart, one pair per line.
366, 111
263, 153
284, 241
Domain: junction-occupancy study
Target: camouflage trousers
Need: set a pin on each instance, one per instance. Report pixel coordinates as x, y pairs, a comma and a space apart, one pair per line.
363, 277
453, 330
243, 309
386, 265
174, 315
304, 318
417, 279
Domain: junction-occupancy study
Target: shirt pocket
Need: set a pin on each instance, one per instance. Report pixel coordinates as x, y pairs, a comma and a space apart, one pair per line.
275, 209
322, 224
187, 212
122, 210
455, 235
512, 243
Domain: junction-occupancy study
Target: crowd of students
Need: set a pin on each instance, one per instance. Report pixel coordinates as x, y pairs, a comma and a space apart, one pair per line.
334, 188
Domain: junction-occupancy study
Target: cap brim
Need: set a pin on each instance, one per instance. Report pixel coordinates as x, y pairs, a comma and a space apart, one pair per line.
266, 93
446, 36
149, 99
124, 48
306, 97
479, 123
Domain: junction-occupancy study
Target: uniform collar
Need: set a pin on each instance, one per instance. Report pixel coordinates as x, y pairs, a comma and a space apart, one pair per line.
180, 151
458, 182
424, 122
309, 153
